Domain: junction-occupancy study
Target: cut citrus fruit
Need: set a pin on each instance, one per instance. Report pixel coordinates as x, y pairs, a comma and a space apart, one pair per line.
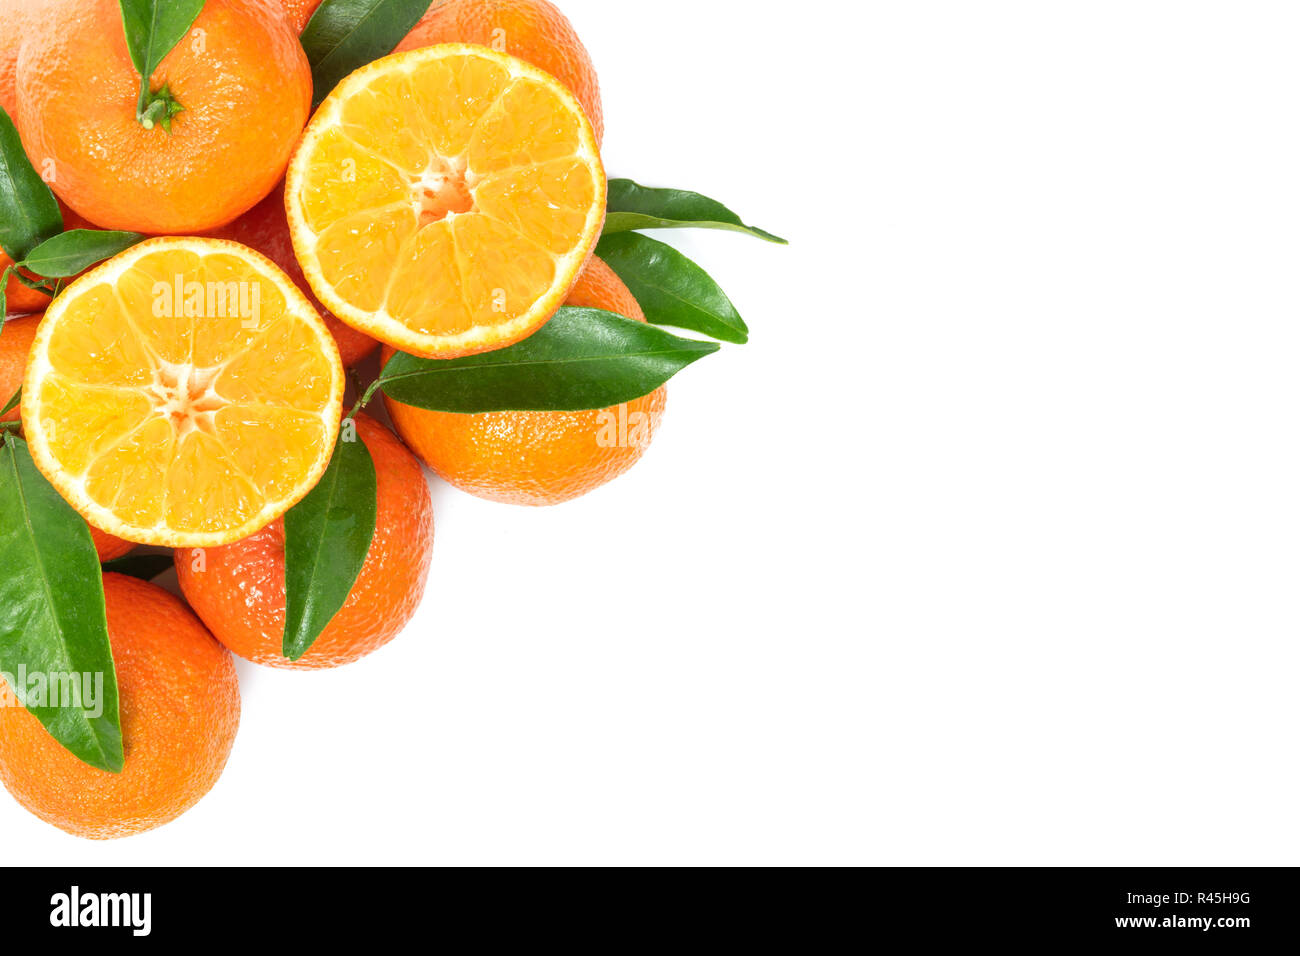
184, 394
444, 200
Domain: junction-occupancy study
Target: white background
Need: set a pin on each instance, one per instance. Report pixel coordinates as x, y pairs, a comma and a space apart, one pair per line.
984, 551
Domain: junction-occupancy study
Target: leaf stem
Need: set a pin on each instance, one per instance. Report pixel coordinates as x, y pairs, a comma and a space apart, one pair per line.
364, 400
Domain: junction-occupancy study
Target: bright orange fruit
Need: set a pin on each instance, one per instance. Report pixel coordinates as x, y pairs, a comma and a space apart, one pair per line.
15, 15
185, 393
241, 76
444, 200
539, 458
533, 30
179, 705
238, 590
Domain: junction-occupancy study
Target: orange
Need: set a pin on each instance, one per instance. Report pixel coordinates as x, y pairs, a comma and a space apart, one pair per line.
15, 343
532, 30
179, 704
241, 76
300, 12
539, 458
266, 229
184, 393
463, 221
238, 590
15, 16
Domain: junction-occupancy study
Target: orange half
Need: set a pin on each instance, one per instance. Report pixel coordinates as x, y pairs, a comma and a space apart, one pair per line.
444, 200
183, 394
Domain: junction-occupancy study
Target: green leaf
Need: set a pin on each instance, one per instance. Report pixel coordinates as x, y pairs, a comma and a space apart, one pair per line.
13, 402
29, 213
345, 35
153, 28
72, 253
146, 567
327, 536
671, 289
633, 206
52, 619
580, 359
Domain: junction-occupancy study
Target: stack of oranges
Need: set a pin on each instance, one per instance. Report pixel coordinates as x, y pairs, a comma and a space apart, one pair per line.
443, 201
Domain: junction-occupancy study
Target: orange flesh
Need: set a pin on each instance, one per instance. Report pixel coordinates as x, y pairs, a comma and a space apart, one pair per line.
185, 396
447, 199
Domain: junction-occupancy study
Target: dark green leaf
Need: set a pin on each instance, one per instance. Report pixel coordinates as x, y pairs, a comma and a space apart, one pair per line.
632, 206
29, 213
13, 402
581, 358
671, 288
327, 536
154, 27
146, 567
73, 252
345, 35
52, 619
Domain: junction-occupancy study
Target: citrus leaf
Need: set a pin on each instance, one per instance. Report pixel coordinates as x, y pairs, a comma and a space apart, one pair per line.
146, 567
52, 619
633, 206
73, 252
671, 289
29, 213
13, 402
345, 35
154, 27
580, 359
327, 536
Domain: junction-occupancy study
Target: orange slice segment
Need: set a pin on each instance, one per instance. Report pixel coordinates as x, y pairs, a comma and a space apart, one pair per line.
446, 199
183, 394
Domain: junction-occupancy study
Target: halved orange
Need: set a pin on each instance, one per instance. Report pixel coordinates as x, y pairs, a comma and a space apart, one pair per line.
183, 394
444, 200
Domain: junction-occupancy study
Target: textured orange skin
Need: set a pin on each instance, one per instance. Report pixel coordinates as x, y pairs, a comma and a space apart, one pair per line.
533, 30
265, 228
14, 18
240, 593
300, 12
532, 458
180, 711
15, 344
247, 95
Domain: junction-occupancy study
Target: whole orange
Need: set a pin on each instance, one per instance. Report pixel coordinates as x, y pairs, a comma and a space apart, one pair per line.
15, 15
15, 343
533, 30
241, 77
238, 589
538, 458
179, 704
265, 228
